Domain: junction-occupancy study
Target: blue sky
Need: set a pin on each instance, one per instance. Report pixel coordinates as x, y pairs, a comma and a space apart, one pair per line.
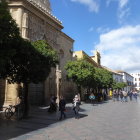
110, 26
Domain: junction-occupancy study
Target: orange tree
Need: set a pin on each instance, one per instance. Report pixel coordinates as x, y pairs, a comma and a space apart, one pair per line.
104, 80
20, 60
81, 72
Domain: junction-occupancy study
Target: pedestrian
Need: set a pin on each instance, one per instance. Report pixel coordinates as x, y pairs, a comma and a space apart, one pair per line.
135, 95
130, 94
76, 106
92, 97
121, 95
62, 107
114, 95
117, 95
124, 96
53, 105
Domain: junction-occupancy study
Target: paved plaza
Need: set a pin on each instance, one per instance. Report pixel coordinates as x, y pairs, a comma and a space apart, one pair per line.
106, 121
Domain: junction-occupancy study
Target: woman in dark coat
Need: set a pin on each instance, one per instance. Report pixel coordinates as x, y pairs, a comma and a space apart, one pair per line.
62, 105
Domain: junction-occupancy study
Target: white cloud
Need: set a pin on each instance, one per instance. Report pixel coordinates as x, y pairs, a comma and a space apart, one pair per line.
122, 3
120, 48
102, 29
92, 4
123, 9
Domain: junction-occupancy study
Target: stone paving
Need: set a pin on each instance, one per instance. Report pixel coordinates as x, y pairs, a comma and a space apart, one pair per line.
106, 121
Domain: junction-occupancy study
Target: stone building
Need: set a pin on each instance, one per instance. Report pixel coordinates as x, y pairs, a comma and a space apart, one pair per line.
36, 22
94, 60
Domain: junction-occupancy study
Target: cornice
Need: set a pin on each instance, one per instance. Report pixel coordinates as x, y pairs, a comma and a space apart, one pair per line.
68, 37
20, 3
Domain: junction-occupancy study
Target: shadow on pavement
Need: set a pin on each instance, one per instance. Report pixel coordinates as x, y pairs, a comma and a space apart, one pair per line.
95, 103
39, 118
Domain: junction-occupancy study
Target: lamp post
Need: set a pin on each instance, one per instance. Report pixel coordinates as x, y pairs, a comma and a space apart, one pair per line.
58, 83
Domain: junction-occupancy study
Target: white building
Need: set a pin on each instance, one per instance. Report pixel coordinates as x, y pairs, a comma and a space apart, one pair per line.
118, 77
136, 80
127, 78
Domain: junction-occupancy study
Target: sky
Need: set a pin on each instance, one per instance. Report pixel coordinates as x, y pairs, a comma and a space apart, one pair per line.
110, 26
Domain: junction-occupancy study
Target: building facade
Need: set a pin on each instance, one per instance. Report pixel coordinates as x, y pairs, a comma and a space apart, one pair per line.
136, 80
127, 78
36, 22
118, 77
94, 60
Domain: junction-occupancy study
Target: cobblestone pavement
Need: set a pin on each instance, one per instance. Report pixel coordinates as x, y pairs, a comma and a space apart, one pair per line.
106, 121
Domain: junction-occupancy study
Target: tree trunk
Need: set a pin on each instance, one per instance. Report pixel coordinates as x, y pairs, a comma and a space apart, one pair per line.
26, 101
79, 89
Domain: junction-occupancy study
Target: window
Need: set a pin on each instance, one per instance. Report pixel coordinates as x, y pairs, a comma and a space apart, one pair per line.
61, 53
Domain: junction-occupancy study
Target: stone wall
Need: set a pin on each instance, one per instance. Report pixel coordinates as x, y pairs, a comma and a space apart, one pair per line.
36, 24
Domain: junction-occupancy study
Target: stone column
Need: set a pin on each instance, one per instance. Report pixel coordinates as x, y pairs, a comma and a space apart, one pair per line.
58, 83
17, 14
25, 25
20, 14
11, 94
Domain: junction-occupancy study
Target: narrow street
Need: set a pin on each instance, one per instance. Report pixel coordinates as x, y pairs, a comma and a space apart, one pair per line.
106, 121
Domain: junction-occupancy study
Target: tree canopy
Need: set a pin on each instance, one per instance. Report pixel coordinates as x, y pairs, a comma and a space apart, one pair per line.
119, 85
31, 62
104, 78
81, 72
86, 75
9, 38
21, 61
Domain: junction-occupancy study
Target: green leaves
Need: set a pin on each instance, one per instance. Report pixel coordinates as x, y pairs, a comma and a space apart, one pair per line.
85, 75
44, 49
8, 27
31, 63
81, 72
104, 78
21, 61
118, 85
9, 39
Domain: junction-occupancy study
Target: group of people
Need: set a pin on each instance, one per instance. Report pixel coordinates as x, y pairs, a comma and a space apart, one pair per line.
62, 106
121, 95
76, 107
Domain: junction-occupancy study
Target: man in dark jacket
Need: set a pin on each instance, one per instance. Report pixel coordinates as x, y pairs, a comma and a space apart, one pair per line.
62, 108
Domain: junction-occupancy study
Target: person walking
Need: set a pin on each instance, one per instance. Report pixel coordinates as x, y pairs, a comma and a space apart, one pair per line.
76, 106
130, 94
114, 95
62, 108
121, 95
117, 95
135, 95
124, 96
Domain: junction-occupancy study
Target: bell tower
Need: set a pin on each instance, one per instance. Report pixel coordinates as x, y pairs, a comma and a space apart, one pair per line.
97, 57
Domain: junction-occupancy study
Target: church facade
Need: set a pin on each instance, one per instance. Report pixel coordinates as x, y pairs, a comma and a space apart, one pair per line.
36, 22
